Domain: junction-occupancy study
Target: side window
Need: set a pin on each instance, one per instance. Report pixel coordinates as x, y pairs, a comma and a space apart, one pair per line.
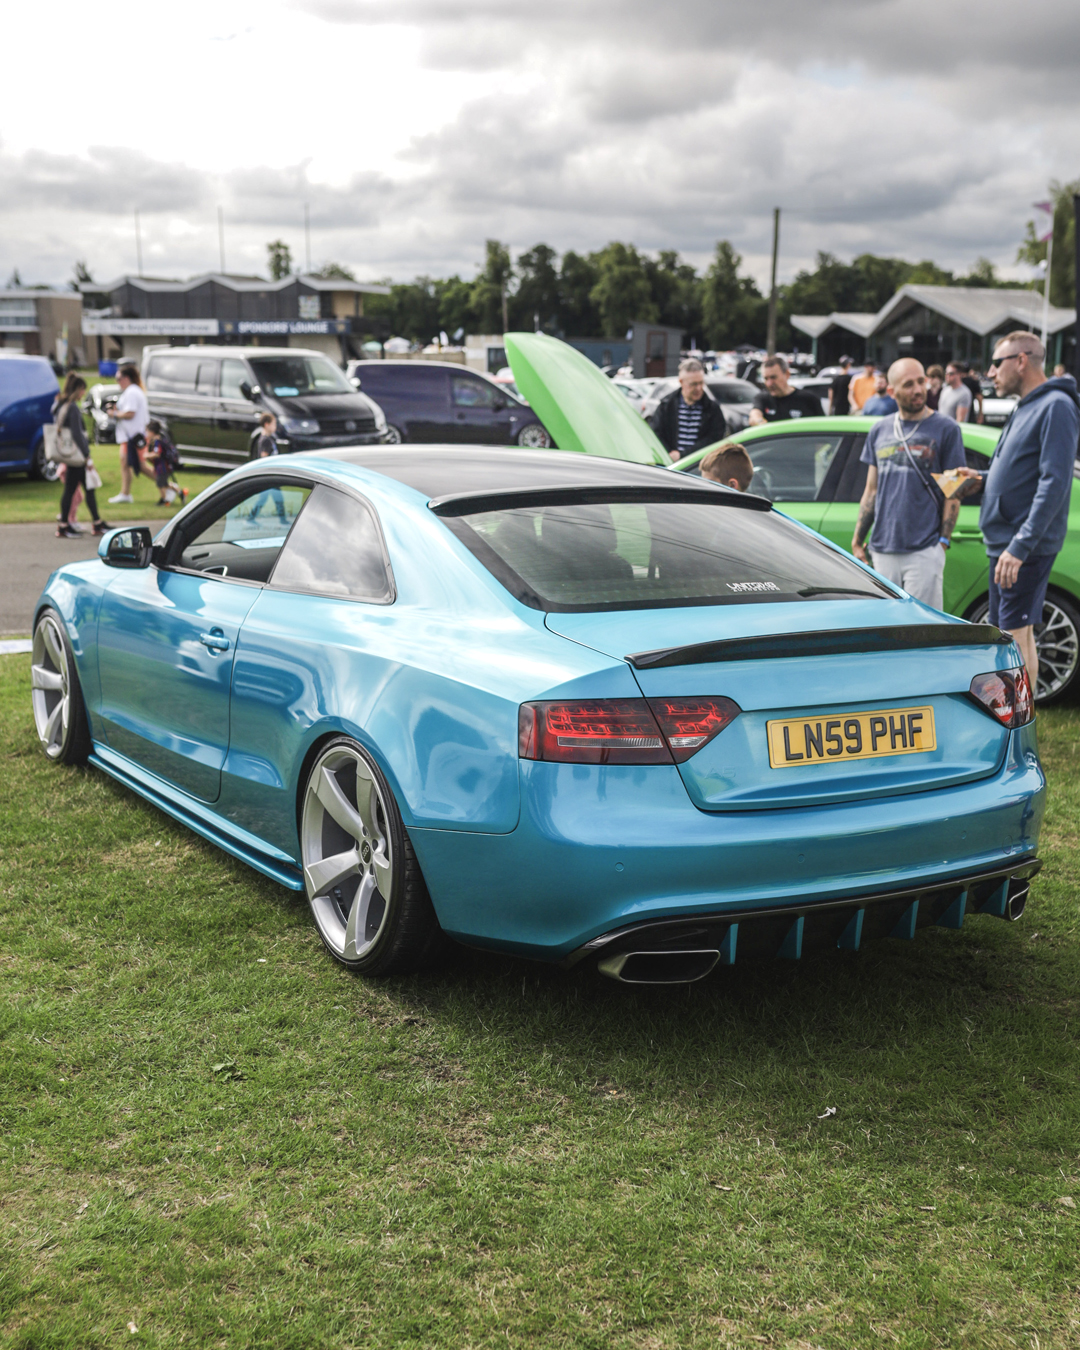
792, 468
242, 541
206, 381
335, 549
233, 375
853, 475
171, 375
470, 393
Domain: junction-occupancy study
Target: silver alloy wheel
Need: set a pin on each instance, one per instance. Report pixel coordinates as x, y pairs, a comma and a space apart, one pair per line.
535, 437
392, 436
348, 856
50, 683
1057, 642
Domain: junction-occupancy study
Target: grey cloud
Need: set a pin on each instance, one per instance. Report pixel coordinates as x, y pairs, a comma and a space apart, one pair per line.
111, 180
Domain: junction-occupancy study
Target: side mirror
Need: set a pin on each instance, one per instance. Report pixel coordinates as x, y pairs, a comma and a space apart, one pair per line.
131, 547
499, 402
247, 391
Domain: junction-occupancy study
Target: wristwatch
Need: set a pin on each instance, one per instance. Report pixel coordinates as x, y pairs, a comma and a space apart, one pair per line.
944, 542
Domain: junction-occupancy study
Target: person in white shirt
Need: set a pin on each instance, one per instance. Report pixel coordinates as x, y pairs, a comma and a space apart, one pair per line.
132, 413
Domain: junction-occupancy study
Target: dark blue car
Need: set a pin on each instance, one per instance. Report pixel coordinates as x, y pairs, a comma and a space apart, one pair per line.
440, 403
27, 390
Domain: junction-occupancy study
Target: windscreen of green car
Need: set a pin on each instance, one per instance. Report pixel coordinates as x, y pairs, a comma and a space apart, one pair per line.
656, 555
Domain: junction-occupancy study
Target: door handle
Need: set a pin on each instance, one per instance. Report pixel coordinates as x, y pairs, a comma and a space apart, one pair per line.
461, 417
215, 640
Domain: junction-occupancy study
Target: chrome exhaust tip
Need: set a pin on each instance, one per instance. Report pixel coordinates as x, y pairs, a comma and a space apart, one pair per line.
659, 967
1016, 900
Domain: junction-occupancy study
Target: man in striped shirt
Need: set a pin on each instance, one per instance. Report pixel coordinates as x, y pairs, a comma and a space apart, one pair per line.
689, 417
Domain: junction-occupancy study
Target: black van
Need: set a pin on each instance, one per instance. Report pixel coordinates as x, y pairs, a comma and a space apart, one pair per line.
212, 398
435, 401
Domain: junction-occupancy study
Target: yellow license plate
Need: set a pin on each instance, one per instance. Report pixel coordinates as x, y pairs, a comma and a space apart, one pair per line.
797, 741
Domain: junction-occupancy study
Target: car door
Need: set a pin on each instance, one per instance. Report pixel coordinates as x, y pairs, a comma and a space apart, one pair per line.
167, 633
480, 415
172, 394
798, 471
965, 565
237, 416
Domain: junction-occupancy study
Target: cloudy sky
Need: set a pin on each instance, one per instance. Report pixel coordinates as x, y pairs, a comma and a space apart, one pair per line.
415, 129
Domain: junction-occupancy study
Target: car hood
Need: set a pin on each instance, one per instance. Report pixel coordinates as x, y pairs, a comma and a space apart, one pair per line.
317, 406
578, 405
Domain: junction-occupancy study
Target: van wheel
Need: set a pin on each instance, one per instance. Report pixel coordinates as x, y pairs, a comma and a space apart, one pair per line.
392, 436
41, 468
1057, 641
534, 436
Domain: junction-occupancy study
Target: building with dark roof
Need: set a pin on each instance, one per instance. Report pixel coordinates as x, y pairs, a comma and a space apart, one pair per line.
132, 312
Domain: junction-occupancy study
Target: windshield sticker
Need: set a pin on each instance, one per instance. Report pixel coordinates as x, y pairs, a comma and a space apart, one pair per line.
741, 587
286, 390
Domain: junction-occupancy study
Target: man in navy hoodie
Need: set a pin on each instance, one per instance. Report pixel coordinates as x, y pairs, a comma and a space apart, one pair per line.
1025, 505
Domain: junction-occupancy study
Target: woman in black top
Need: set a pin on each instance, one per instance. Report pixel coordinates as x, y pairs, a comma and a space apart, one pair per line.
66, 412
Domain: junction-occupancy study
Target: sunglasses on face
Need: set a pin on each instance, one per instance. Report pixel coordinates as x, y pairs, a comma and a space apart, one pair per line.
999, 360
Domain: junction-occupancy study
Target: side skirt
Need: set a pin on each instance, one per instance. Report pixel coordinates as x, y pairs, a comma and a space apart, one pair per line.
247, 847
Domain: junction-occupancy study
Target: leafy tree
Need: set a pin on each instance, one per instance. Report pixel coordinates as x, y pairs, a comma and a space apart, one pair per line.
332, 271
578, 315
80, 275
927, 273
733, 309
1063, 265
456, 309
280, 260
537, 295
676, 292
491, 288
622, 292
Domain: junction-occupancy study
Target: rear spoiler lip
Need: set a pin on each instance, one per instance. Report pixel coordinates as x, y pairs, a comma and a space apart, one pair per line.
827, 642
589, 494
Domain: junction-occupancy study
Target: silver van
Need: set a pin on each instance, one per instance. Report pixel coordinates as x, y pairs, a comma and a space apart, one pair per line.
213, 397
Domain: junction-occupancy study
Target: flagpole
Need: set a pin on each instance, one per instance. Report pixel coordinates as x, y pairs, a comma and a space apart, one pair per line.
1046, 287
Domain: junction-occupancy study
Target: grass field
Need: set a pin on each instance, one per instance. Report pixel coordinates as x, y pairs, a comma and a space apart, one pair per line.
212, 1134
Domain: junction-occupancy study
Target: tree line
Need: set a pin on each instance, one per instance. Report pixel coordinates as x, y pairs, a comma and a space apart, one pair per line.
599, 294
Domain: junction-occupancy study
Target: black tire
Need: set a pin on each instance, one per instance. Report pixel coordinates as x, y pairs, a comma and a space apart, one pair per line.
393, 435
56, 694
41, 469
1057, 641
365, 888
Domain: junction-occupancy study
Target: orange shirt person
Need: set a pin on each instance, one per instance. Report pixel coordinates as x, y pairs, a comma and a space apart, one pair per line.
862, 387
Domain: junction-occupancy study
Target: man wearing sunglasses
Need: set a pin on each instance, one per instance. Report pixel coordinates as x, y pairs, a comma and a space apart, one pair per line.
1025, 505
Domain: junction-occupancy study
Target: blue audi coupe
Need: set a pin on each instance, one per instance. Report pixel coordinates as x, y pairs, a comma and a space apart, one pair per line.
550, 704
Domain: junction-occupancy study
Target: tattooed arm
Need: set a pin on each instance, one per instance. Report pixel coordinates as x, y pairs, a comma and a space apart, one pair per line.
865, 518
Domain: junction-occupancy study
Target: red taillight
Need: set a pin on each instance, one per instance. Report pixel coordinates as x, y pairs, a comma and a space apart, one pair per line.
688, 723
1006, 694
621, 730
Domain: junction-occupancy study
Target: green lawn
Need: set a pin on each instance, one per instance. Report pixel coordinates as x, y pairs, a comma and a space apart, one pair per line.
212, 1133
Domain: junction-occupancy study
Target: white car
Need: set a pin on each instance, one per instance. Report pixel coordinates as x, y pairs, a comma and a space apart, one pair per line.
736, 397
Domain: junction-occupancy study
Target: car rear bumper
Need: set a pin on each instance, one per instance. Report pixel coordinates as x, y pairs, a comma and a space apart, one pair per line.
599, 848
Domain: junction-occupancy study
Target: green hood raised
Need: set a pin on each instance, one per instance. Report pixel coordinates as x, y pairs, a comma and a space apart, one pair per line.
581, 407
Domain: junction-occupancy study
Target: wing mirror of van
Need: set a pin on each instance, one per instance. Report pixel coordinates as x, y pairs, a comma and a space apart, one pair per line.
499, 402
131, 547
247, 391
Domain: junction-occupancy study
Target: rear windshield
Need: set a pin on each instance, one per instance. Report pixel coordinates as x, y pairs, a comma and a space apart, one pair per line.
297, 376
656, 555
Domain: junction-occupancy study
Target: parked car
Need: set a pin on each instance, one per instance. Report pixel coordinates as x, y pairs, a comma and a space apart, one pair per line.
996, 410
436, 401
637, 391
812, 471
98, 401
813, 384
546, 703
212, 398
736, 398
28, 388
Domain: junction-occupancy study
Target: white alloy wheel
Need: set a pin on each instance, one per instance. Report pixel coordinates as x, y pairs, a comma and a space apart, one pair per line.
50, 684
348, 852
534, 436
392, 436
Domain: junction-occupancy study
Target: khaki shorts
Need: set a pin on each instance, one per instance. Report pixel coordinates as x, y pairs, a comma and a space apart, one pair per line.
919, 573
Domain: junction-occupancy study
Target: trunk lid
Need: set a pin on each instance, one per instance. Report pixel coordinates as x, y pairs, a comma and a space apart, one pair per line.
579, 405
814, 665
